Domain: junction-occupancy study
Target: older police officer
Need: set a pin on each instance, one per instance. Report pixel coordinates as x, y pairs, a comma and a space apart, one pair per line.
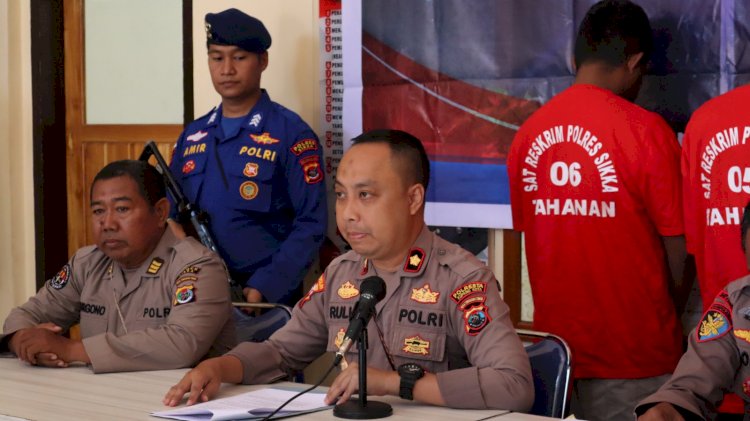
144, 299
254, 167
442, 334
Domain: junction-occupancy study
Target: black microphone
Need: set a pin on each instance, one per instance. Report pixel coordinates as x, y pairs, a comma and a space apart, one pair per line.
371, 292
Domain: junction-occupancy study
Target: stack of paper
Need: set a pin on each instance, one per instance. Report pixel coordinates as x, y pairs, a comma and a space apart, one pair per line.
249, 406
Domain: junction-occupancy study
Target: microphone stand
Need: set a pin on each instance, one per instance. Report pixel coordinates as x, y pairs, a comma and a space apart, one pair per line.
361, 409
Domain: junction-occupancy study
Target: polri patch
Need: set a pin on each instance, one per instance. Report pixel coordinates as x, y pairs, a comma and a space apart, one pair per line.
188, 167
347, 290
415, 260
425, 295
61, 278
248, 190
184, 295
311, 169
154, 266
467, 289
303, 146
251, 170
319, 287
716, 322
416, 345
476, 318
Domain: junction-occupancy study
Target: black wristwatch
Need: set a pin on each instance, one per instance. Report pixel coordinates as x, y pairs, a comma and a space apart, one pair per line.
409, 374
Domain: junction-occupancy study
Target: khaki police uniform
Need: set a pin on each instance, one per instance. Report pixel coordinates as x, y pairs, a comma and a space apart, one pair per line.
717, 357
168, 313
442, 310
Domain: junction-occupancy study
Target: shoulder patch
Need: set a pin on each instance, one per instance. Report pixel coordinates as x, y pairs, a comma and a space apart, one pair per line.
303, 146
184, 294
715, 323
311, 169
61, 278
467, 289
319, 287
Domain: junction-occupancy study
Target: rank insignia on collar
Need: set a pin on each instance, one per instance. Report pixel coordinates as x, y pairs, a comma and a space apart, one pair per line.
197, 136
155, 265
716, 322
339, 338
743, 334
424, 295
319, 286
348, 290
212, 118
467, 289
264, 139
251, 170
61, 278
364, 270
184, 295
415, 260
416, 345
255, 120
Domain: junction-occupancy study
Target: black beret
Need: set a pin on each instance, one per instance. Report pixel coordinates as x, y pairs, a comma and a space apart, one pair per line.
233, 27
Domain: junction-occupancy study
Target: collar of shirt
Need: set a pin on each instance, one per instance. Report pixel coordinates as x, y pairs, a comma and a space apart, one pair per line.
254, 121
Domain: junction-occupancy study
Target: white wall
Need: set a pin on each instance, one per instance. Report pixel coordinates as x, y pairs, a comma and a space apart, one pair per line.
17, 262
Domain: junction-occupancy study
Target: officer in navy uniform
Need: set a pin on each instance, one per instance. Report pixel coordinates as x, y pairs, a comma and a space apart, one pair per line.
254, 167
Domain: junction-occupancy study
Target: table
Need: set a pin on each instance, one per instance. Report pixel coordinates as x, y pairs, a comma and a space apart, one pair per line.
75, 393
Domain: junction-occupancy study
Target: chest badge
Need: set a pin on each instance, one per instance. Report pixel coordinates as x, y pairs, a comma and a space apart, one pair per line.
264, 139
188, 167
416, 345
251, 170
348, 290
424, 295
197, 136
339, 338
415, 260
248, 190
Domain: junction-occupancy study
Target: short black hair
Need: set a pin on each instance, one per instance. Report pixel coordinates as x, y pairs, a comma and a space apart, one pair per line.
404, 146
150, 182
613, 30
745, 225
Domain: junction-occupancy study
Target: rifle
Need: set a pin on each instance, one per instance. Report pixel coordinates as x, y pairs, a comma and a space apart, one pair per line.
186, 209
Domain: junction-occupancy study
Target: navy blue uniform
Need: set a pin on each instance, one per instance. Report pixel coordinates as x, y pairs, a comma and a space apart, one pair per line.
263, 189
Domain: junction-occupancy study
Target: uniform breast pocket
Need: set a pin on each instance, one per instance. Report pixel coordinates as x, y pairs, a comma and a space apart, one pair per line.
336, 333
252, 182
412, 343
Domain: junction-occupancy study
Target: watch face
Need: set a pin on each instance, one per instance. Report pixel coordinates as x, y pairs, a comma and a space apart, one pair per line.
410, 368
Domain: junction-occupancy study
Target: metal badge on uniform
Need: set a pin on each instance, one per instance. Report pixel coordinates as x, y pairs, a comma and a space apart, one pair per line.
248, 190
155, 265
184, 295
348, 290
365, 266
197, 136
251, 170
61, 278
339, 338
209, 35
424, 295
414, 261
311, 169
303, 146
716, 322
476, 318
416, 345
319, 286
264, 138
255, 120
188, 167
